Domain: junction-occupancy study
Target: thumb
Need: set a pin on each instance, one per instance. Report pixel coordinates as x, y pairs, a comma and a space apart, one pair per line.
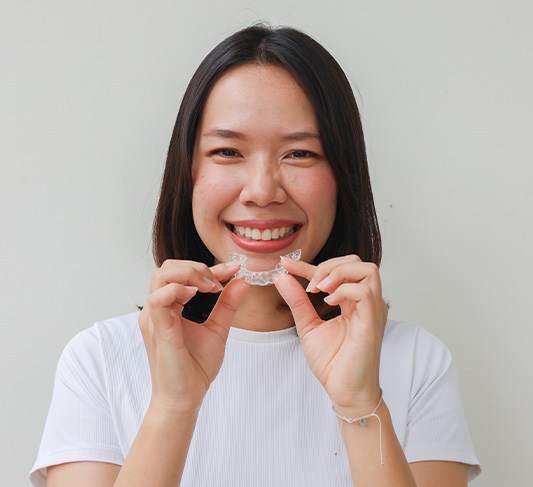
303, 312
228, 302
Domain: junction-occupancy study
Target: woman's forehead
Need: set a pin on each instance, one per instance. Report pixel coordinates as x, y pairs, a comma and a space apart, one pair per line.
257, 96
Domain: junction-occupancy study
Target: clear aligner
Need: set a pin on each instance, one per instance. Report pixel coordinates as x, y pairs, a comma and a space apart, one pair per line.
261, 278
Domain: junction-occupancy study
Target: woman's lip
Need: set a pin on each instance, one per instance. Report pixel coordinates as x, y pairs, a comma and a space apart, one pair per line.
262, 224
264, 246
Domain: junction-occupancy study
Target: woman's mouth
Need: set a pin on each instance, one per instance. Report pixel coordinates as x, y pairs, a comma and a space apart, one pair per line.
266, 234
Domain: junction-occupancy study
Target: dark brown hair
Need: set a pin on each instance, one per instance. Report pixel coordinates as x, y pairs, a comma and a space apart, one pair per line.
355, 230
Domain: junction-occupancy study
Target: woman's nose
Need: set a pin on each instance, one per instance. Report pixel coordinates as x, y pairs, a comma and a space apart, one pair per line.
263, 186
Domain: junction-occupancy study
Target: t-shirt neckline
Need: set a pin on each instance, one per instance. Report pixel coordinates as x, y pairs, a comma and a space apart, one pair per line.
263, 336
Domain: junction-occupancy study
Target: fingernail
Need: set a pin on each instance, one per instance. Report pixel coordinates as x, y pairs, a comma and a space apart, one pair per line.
211, 284
283, 260
328, 299
233, 265
324, 283
192, 291
311, 286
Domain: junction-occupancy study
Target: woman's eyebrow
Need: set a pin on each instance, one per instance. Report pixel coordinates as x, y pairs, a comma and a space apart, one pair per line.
233, 134
302, 135
225, 134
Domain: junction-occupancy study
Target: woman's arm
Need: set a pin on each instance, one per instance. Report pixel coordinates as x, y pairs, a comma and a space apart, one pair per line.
184, 359
82, 474
344, 354
157, 457
362, 445
440, 474
363, 450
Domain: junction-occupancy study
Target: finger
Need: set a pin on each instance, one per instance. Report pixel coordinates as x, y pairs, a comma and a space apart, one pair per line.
358, 272
224, 310
162, 303
315, 274
303, 312
171, 294
224, 271
186, 273
360, 294
325, 268
298, 267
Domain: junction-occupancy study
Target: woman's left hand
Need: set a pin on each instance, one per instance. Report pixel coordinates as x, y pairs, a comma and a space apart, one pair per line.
343, 352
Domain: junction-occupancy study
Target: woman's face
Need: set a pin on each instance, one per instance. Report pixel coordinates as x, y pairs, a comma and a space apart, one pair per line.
262, 186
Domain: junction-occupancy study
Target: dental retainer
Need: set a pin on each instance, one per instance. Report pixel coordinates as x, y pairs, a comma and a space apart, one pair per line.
261, 278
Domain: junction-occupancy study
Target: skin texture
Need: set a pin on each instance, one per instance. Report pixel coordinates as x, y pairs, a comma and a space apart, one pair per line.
247, 168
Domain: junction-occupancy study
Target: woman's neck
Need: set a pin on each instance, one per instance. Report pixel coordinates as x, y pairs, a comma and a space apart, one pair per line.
263, 310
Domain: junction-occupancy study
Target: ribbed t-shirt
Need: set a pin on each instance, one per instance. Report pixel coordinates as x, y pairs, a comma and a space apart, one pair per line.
266, 421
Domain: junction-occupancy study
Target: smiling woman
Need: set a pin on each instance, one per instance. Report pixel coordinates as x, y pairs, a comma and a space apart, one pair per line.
218, 382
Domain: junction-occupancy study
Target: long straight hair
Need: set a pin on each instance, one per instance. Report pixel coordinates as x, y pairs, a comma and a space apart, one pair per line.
355, 229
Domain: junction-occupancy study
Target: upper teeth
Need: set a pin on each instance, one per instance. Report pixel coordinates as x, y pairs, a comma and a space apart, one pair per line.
268, 234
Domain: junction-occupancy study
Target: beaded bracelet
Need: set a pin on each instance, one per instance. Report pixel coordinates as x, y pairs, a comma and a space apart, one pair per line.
362, 421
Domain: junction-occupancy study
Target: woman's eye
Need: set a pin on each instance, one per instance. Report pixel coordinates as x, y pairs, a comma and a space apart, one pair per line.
301, 154
226, 152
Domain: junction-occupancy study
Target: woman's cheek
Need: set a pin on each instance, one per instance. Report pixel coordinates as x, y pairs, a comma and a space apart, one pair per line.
217, 178
214, 189
317, 184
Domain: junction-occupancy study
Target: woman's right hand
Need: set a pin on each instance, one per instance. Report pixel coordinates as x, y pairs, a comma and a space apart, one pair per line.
184, 356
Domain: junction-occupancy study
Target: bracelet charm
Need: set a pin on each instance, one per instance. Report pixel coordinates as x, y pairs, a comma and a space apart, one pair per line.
362, 421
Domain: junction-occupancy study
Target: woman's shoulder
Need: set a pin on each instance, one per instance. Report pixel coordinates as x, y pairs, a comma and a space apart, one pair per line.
120, 330
114, 336
413, 344
101, 354
401, 333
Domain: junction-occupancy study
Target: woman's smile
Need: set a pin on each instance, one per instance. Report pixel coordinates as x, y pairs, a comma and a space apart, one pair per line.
263, 236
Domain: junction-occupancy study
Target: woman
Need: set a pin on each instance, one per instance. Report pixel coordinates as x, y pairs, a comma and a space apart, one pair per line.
279, 385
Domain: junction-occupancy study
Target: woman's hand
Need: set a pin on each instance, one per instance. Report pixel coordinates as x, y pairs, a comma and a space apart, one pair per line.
184, 356
343, 352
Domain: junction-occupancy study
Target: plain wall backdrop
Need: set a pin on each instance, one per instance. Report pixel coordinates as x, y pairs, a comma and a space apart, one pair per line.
89, 92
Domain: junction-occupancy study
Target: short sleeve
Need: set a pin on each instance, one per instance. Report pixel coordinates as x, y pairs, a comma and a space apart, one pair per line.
79, 426
436, 425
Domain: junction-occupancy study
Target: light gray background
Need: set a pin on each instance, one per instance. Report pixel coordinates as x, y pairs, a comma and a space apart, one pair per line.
89, 93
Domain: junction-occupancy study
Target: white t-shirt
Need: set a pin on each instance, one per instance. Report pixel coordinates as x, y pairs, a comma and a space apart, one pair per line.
265, 421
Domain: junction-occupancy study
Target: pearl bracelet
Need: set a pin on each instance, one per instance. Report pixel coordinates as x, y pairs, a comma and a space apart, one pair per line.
362, 421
